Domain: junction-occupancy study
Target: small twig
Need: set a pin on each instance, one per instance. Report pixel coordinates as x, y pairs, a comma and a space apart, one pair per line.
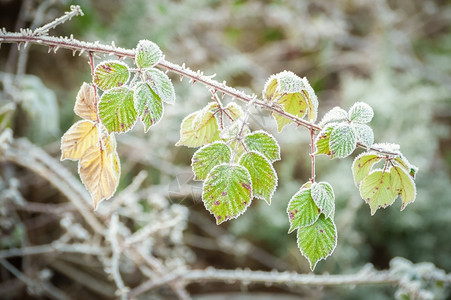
75, 10
312, 155
151, 228
159, 268
273, 277
23, 153
50, 248
113, 238
34, 286
84, 278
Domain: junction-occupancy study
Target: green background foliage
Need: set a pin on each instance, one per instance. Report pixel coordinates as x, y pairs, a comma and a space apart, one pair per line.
393, 55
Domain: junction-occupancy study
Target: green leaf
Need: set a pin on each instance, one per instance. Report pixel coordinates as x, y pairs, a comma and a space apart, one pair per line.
302, 210
227, 192
117, 109
263, 175
364, 133
294, 104
377, 191
403, 185
318, 240
362, 165
198, 128
111, 74
323, 195
361, 112
161, 85
148, 54
323, 139
335, 115
342, 141
148, 105
264, 143
208, 157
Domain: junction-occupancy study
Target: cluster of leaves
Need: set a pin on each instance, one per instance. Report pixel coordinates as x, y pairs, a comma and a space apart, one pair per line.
293, 95
311, 211
341, 130
380, 187
114, 110
234, 163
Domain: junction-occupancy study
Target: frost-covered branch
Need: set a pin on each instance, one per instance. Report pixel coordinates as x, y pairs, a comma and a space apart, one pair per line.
54, 43
367, 276
75, 10
32, 157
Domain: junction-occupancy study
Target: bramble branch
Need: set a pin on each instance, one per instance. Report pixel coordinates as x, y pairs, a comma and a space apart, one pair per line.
366, 276
26, 37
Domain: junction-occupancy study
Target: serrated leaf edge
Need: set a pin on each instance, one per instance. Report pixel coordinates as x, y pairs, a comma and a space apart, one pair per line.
137, 117
268, 201
324, 258
271, 136
199, 150
112, 61
140, 116
291, 229
245, 208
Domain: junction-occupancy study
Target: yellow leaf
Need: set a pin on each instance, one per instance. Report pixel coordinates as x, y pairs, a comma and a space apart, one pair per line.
108, 140
78, 139
294, 104
100, 173
199, 128
85, 105
403, 185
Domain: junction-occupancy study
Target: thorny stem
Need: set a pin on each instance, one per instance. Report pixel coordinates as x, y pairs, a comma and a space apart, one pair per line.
75, 45
312, 155
366, 276
75, 11
91, 63
221, 110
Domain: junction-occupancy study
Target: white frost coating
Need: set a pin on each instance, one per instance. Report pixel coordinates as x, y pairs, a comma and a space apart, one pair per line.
64, 42
148, 54
304, 253
364, 133
161, 85
336, 114
233, 130
289, 83
391, 147
268, 82
250, 186
342, 141
276, 178
361, 112
199, 119
313, 98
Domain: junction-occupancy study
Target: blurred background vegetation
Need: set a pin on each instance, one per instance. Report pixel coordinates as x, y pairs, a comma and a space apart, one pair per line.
392, 54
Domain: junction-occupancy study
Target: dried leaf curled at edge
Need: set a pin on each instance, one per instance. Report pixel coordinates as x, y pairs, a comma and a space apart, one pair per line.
78, 138
85, 106
100, 173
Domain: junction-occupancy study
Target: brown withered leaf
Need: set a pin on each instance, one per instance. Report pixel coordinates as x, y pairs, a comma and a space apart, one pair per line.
85, 106
99, 172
